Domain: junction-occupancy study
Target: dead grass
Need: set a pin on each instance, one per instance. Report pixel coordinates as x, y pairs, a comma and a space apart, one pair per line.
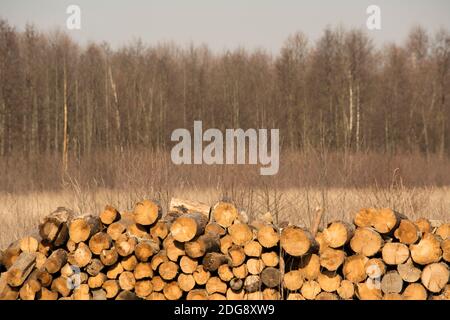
20, 213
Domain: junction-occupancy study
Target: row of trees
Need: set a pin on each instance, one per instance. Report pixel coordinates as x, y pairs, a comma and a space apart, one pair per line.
339, 93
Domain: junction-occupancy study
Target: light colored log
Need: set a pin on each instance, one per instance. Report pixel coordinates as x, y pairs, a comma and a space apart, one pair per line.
186, 206
415, 291
391, 282
409, 272
329, 281
346, 290
407, 232
310, 290
224, 214
84, 227
427, 251
109, 215
21, 269
297, 242
331, 259
435, 276
338, 233
188, 226
293, 280
354, 268
366, 241
268, 236
172, 291
395, 253
147, 212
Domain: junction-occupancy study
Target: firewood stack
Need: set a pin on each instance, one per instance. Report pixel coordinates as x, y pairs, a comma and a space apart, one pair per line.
198, 252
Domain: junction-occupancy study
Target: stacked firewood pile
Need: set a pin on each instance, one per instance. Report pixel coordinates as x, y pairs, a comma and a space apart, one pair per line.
198, 252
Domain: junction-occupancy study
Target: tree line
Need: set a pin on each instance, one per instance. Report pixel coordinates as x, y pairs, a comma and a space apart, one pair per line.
339, 93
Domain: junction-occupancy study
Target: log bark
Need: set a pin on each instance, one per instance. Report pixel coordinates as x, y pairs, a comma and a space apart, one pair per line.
54, 227
209, 242
185, 206
213, 260
21, 269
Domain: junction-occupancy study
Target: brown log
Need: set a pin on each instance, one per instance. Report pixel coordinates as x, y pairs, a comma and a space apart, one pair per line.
185, 206
293, 280
145, 249
138, 231
215, 285
188, 226
28, 244
143, 288
213, 260
215, 228
21, 269
143, 270
125, 245
409, 272
98, 294
160, 230
310, 266
225, 243
99, 242
271, 294
224, 214
62, 286
129, 263
217, 296
237, 255
407, 232
364, 217
295, 296
114, 271
423, 225
310, 290
338, 233
346, 290
84, 227
427, 251
81, 256
253, 249
297, 242
172, 291
268, 236
168, 270
188, 265
354, 268
116, 229
54, 227
11, 254
235, 294
97, 281
30, 287
46, 294
375, 268
186, 282
44, 278
392, 282
240, 233
331, 259
395, 253
109, 257
156, 296
209, 242
127, 295
327, 296
241, 271
415, 291
146, 212
366, 241
443, 231
127, 280
270, 259
255, 266
175, 250
197, 294
367, 291
271, 277
392, 296
225, 273
435, 276
158, 283
56, 261
158, 259
445, 245
81, 293
236, 284
329, 281
320, 239
111, 288
109, 215
252, 283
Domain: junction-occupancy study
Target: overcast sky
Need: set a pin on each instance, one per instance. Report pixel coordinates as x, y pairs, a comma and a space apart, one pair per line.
224, 23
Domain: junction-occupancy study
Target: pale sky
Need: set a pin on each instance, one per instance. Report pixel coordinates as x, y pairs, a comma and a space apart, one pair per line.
224, 24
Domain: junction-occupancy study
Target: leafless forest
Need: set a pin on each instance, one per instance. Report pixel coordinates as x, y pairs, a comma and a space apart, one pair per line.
352, 115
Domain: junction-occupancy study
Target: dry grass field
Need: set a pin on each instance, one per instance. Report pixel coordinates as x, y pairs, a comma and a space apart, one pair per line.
20, 213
